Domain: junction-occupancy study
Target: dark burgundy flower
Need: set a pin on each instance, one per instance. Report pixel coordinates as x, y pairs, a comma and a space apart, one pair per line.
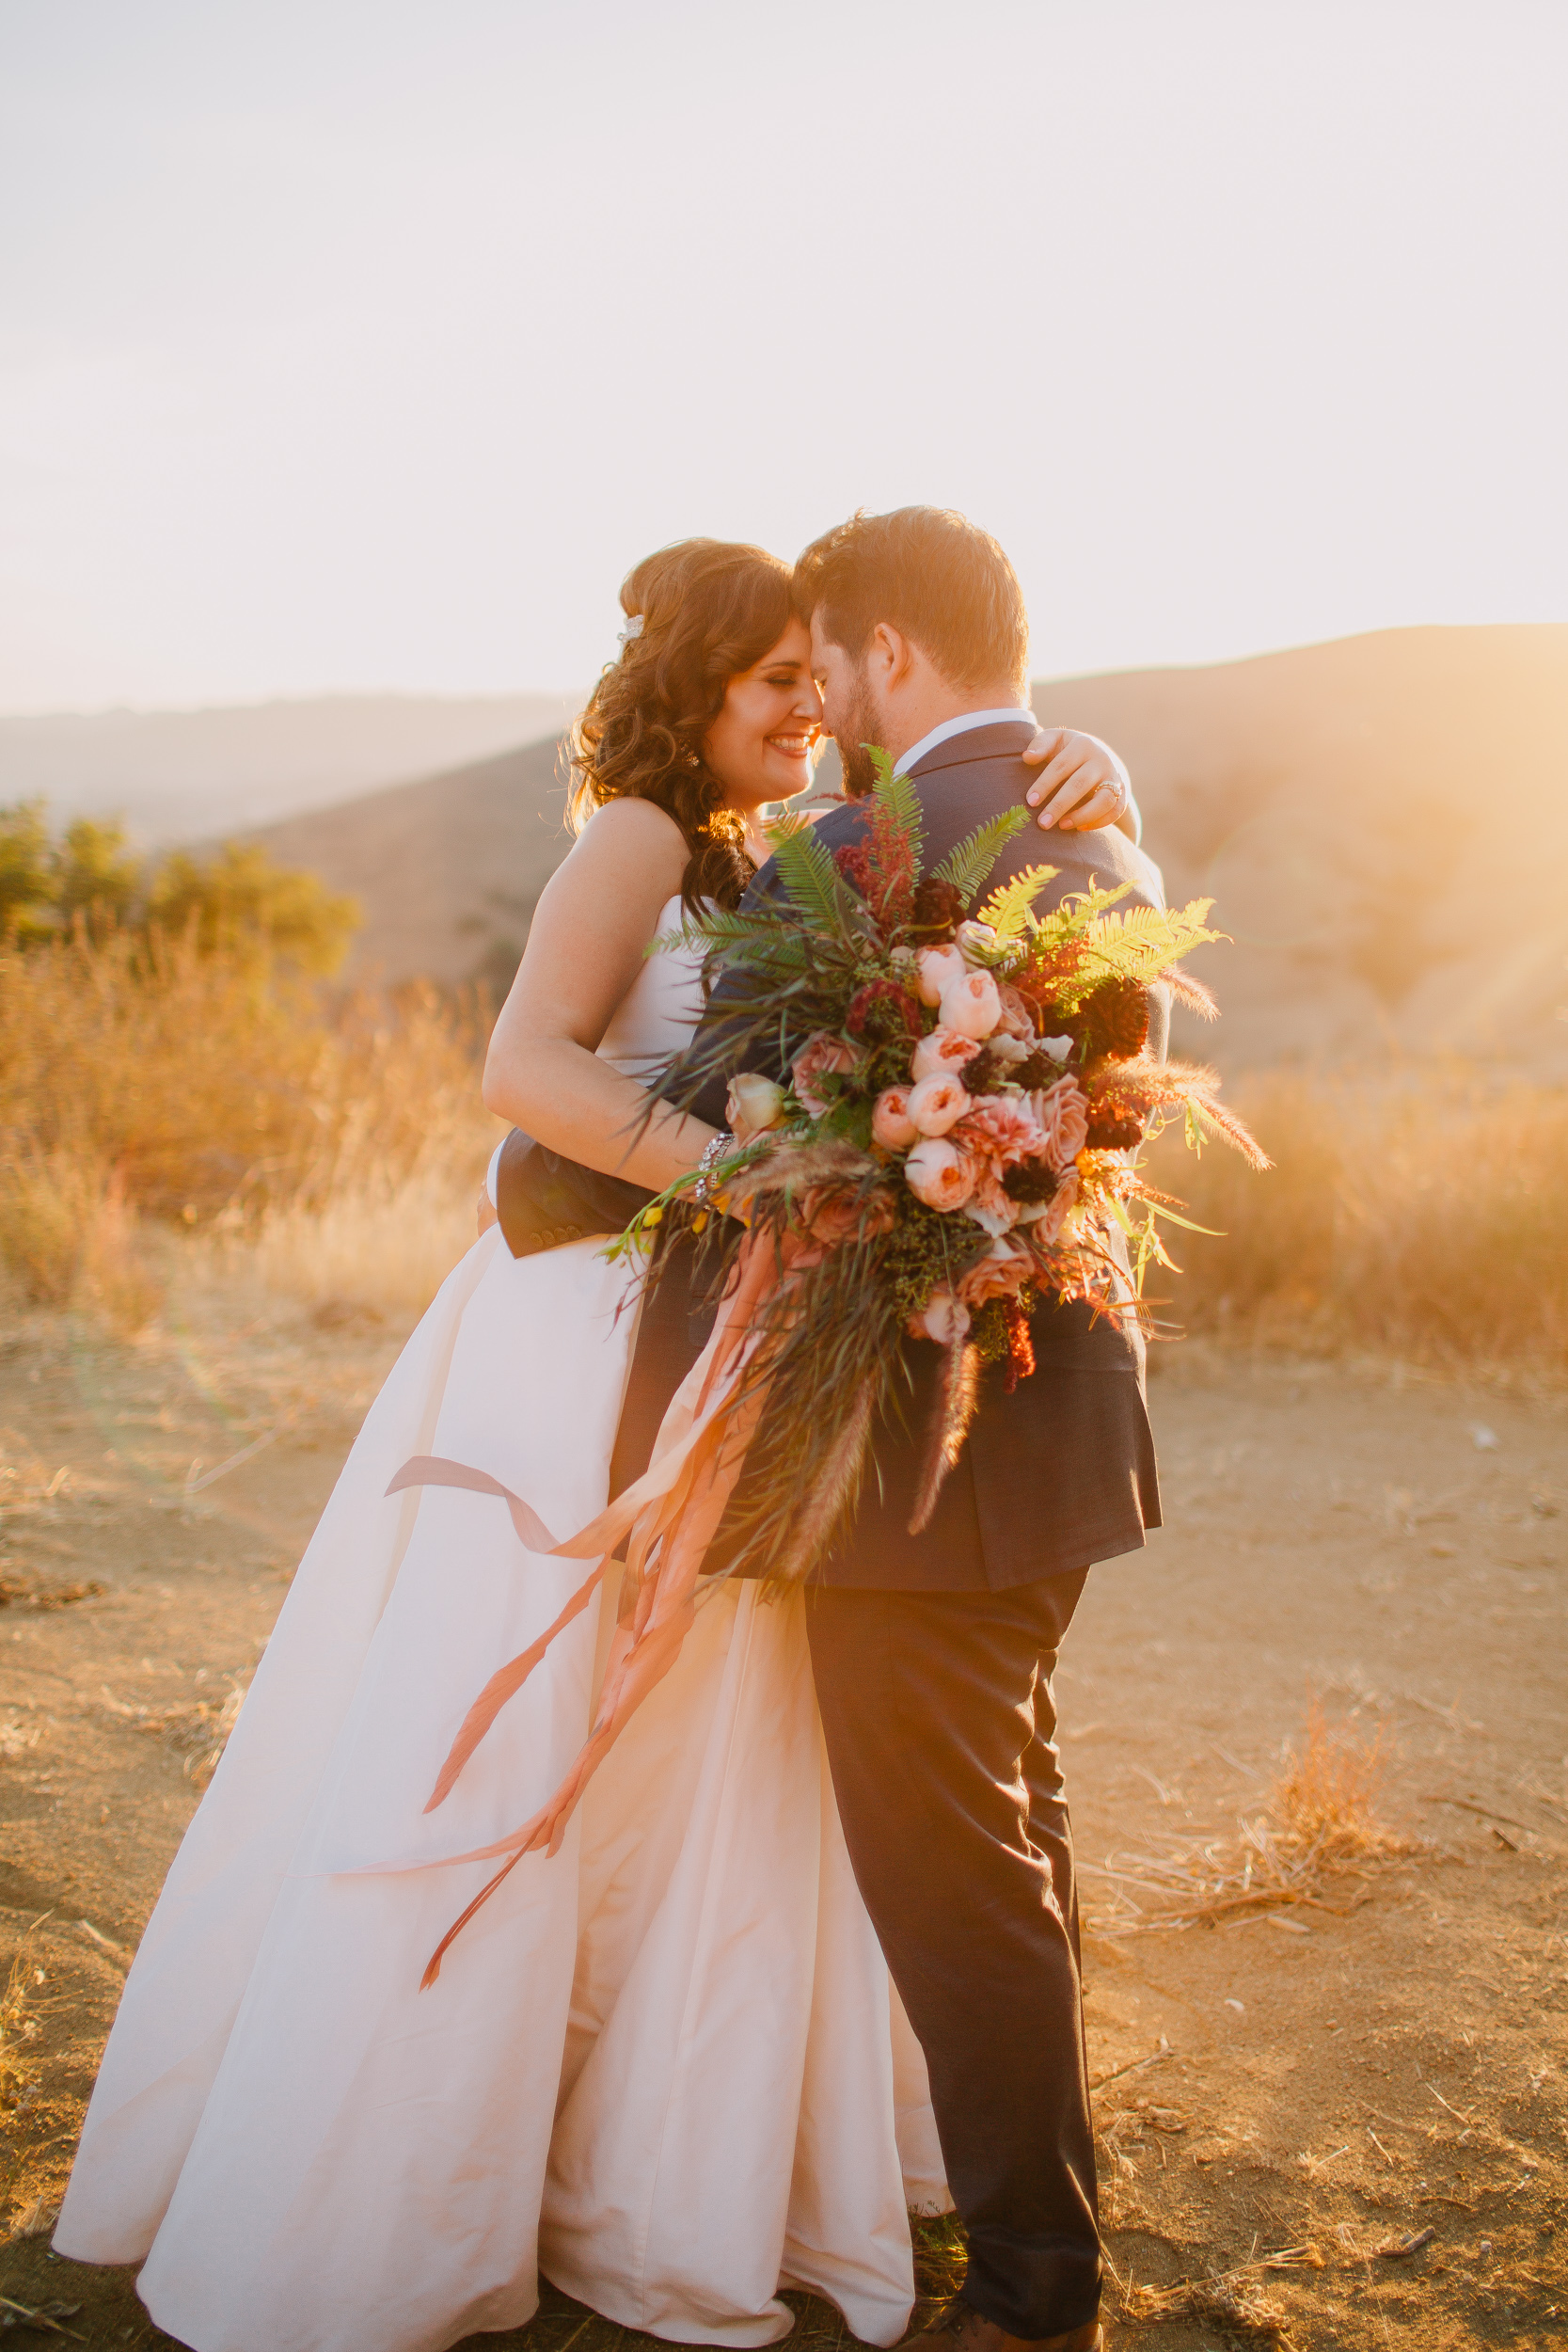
854, 861
1114, 1019
938, 906
882, 1011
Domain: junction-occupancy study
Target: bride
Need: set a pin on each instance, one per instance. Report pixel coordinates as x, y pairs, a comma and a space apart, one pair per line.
665, 2065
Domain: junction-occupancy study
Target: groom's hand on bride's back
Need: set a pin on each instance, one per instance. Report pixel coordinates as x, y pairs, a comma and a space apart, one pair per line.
1082, 785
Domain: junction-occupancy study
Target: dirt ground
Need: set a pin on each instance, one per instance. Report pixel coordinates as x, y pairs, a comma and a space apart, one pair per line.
1353, 2113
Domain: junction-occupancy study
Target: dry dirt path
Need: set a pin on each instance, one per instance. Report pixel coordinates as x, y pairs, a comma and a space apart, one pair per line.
1387, 2068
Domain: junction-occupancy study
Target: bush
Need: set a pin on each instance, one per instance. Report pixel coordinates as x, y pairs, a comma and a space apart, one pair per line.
1423, 1211
157, 1079
234, 902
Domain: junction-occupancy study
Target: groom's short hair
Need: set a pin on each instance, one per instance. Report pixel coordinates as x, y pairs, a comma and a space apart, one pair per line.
930, 573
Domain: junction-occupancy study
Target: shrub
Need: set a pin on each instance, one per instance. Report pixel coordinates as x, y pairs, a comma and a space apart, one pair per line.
1419, 1209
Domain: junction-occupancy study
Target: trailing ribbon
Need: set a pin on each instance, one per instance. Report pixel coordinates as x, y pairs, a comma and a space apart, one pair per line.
669, 1517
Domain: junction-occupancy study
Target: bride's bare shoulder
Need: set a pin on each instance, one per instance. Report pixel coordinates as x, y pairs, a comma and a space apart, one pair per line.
631, 834
624, 866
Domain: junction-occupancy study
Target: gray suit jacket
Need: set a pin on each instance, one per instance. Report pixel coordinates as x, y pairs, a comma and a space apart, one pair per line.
1061, 1472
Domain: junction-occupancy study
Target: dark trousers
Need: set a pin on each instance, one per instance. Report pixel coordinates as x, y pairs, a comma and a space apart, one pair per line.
941, 1731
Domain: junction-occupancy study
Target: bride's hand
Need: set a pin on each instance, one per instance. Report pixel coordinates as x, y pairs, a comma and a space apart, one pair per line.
1082, 784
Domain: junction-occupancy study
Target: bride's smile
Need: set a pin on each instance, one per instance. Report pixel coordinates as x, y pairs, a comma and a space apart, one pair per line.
761, 744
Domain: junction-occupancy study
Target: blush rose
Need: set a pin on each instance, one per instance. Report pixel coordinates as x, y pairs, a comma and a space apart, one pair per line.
970, 1005
937, 1103
820, 1057
939, 1174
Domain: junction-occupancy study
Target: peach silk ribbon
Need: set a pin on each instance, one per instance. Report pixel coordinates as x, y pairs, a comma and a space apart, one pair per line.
669, 1517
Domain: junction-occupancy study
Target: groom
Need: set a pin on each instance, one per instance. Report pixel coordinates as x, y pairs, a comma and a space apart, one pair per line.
933, 1654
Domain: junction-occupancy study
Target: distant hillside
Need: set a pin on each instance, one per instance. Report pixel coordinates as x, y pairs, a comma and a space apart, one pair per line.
178, 775
1341, 802
448, 869
1383, 823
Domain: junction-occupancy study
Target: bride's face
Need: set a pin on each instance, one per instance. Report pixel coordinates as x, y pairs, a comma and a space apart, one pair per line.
760, 745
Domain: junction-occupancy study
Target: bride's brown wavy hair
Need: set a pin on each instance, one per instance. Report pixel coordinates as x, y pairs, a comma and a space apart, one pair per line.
709, 609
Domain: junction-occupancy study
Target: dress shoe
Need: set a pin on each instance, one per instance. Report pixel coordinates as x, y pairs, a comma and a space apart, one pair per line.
962, 2329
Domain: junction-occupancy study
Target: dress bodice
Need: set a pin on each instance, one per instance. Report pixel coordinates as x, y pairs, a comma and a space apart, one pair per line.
658, 1012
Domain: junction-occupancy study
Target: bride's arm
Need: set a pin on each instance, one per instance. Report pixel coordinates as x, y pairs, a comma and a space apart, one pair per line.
595, 918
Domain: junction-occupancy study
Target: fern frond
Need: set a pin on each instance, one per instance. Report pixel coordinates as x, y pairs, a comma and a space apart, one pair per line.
809, 874
1007, 908
900, 800
967, 867
1140, 943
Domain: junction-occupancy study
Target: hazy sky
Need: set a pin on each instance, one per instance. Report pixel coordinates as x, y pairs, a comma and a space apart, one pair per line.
367, 346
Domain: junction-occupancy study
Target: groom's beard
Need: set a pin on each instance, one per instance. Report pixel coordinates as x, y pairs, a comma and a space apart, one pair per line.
862, 726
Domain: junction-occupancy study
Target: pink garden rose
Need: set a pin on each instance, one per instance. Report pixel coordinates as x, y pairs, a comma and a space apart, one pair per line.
936, 968
891, 1124
834, 1216
1063, 1113
1047, 1226
970, 1005
820, 1057
937, 1174
944, 1050
1017, 1019
944, 1318
1002, 1128
937, 1103
1000, 1274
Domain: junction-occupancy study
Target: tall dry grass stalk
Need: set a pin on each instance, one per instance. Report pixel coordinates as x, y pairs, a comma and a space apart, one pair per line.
1422, 1211
225, 1094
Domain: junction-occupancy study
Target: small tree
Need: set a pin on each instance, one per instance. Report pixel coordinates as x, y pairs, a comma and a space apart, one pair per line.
236, 901
27, 873
240, 896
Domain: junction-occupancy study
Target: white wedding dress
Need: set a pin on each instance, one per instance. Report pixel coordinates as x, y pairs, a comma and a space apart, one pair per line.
665, 2065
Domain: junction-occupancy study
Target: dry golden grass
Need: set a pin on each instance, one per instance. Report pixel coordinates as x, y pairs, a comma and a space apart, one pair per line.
1320, 1817
1420, 1211
335, 1147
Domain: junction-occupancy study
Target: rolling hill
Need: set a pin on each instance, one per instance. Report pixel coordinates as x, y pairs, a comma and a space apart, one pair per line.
178, 775
1382, 821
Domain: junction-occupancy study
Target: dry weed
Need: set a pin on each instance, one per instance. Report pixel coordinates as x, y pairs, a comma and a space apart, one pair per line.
1232, 2301
383, 1246
339, 1143
1320, 1817
1416, 1210
17, 2029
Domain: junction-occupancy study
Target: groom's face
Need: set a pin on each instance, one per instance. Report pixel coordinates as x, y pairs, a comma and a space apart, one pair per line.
850, 711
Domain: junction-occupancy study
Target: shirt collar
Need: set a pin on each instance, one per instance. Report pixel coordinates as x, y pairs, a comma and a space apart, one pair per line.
959, 725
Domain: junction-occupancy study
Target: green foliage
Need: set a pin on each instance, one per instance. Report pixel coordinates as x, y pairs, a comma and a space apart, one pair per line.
901, 801
1007, 909
96, 871
26, 871
240, 894
236, 901
967, 867
1139, 944
809, 874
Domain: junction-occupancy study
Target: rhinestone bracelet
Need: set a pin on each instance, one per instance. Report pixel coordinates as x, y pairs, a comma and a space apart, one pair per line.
702, 1191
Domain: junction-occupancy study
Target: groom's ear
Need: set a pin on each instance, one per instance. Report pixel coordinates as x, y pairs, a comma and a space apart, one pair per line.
890, 657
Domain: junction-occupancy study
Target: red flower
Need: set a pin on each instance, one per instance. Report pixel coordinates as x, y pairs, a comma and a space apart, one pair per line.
901, 1012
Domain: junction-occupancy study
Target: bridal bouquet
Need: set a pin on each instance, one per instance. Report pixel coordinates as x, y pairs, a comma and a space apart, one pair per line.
955, 1138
